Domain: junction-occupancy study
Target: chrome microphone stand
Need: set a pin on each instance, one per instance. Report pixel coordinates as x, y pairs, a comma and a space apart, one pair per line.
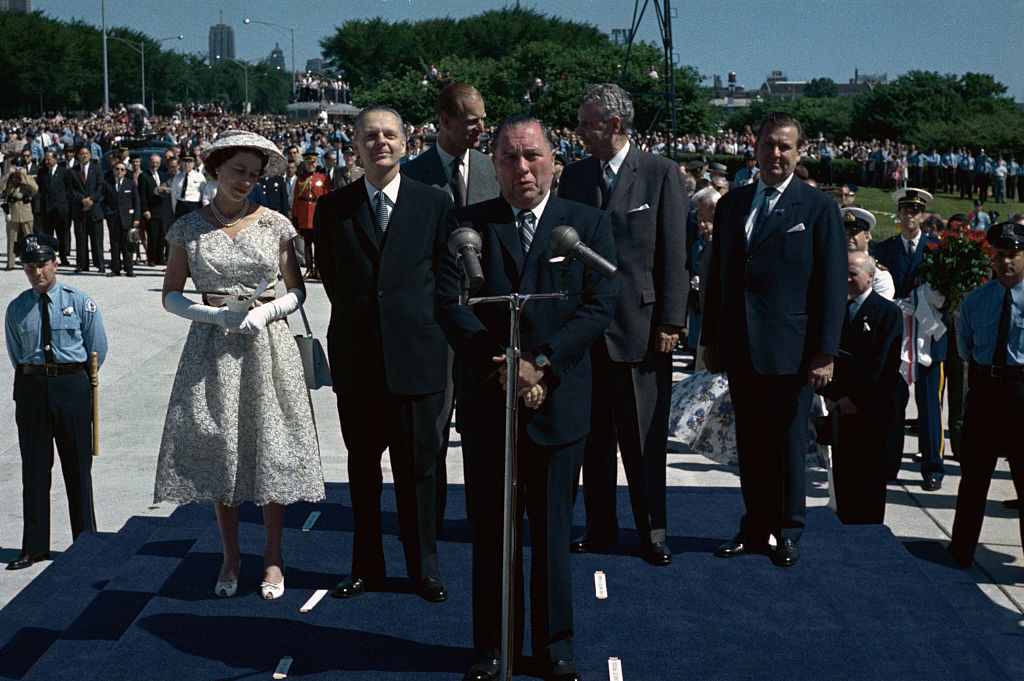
513, 352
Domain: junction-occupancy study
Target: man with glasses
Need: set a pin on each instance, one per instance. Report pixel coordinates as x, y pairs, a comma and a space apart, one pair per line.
849, 195
122, 210
901, 255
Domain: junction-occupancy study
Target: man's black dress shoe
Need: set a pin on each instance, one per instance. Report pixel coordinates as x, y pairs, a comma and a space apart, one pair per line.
487, 669
1011, 503
27, 560
432, 589
350, 587
113, 274
656, 553
740, 545
590, 543
130, 274
786, 553
563, 670
79, 270
931, 484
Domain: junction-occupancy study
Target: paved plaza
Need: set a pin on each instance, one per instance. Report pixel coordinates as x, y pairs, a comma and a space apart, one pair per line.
145, 346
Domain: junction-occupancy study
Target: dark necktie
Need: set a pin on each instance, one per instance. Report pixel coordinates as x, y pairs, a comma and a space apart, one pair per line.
1003, 334
607, 183
84, 176
381, 211
184, 186
910, 251
459, 190
44, 314
762, 215
527, 226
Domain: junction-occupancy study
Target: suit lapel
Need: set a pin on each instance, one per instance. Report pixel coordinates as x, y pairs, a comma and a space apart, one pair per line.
507, 231
623, 181
364, 218
781, 215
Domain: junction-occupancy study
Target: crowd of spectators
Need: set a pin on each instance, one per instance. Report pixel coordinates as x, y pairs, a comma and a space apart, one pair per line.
314, 87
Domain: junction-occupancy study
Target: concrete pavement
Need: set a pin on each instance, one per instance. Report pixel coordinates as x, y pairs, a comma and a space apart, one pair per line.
135, 382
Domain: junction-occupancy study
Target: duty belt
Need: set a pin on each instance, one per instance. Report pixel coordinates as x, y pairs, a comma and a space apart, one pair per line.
51, 370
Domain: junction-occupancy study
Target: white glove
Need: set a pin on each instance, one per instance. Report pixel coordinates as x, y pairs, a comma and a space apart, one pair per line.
258, 317
178, 304
905, 306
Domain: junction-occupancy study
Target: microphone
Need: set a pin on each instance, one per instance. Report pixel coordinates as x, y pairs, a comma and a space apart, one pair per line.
465, 244
565, 242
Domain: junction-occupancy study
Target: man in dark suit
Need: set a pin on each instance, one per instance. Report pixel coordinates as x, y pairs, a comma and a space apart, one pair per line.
275, 194
454, 164
772, 322
85, 190
632, 360
381, 239
554, 380
122, 210
867, 371
155, 201
902, 254
53, 195
334, 172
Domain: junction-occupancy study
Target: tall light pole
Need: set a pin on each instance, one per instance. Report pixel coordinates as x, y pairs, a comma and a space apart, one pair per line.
245, 68
106, 76
284, 28
140, 48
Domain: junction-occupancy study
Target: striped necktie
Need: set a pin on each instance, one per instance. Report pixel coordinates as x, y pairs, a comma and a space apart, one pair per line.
382, 211
527, 225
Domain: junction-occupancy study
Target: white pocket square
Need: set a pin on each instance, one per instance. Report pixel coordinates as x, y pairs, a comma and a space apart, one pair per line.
639, 208
796, 228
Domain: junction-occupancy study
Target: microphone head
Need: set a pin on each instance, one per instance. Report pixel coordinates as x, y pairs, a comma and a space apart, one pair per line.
462, 237
562, 240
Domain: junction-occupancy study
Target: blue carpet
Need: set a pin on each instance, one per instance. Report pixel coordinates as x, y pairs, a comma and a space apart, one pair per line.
860, 605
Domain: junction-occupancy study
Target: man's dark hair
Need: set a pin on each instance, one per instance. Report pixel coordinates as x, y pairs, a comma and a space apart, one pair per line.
452, 98
781, 119
521, 121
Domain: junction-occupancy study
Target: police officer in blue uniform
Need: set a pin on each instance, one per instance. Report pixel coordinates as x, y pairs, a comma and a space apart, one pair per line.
51, 331
991, 335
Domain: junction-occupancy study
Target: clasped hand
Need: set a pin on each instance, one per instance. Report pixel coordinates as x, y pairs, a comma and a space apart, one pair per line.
532, 388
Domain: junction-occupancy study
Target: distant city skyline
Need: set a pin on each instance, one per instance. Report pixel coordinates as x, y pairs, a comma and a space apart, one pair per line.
804, 39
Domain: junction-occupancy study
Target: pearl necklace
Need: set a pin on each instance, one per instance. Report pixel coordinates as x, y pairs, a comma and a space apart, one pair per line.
232, 221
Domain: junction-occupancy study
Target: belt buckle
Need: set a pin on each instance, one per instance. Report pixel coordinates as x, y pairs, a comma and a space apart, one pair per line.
997, 371
50, 370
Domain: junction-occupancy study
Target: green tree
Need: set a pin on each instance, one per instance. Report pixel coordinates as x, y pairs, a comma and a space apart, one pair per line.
820, 88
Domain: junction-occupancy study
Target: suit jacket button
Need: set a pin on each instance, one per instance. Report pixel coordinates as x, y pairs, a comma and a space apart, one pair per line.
380, 294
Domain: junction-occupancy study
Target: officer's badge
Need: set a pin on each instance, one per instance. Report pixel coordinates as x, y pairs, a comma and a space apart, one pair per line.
319, 183
1008, 231
68, 311
90, 306
31, 244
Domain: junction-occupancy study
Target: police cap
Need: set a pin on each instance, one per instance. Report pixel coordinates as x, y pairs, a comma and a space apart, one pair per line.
911, 197
36, 247
857, 220
1006, 235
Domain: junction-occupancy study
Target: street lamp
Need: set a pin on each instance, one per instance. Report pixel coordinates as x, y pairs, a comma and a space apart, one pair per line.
283, 28
245, 68
140, 47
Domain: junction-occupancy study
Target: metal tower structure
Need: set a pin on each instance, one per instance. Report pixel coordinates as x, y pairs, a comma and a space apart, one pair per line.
667, 110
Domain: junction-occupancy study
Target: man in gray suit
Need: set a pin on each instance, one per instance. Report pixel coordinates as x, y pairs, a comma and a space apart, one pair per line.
454, 164
632, 361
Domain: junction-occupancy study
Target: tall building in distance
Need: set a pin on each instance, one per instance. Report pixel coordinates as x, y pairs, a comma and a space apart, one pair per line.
222, 43
24, 6
316, 65
277, 58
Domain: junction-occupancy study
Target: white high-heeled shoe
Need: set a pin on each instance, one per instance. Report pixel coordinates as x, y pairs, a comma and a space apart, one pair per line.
271, 591
227, 589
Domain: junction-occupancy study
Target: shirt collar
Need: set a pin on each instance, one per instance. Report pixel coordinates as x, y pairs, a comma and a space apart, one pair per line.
615, 162
537, 210
916, 240
390, 189
446, 160
780, 187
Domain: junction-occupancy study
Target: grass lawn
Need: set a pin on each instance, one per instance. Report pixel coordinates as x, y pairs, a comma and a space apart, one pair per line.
946, 205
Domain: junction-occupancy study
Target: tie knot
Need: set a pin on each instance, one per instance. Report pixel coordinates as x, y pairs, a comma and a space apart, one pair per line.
45, 297
526, 217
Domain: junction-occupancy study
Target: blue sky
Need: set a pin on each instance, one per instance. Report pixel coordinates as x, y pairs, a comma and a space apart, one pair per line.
803, 38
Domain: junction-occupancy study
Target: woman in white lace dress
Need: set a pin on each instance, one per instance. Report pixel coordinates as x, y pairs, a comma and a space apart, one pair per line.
238, 426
